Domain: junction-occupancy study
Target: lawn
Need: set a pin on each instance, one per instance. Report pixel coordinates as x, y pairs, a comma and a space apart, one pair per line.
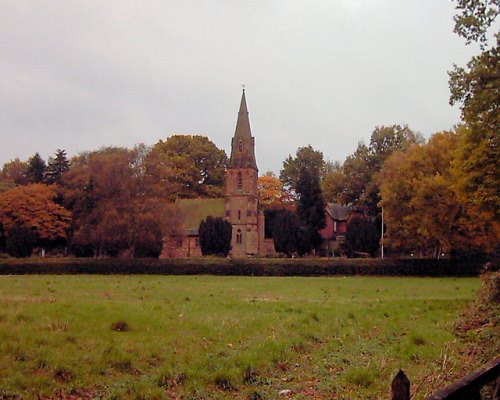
207, 337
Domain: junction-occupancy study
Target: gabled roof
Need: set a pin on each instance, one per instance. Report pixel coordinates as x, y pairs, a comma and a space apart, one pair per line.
338, 212
192, 211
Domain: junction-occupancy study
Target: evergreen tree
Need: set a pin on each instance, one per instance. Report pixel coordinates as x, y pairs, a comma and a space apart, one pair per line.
57, 167
20, 241
215, 236
286, 230
310, 209
36, 169
362, 236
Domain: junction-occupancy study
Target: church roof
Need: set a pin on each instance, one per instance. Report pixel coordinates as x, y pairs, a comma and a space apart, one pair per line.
243, 145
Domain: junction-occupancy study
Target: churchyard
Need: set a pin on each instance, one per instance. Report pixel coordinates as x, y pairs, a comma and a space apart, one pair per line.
213, 337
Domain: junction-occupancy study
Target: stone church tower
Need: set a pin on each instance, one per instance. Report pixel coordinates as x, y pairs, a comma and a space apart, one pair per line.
241, 203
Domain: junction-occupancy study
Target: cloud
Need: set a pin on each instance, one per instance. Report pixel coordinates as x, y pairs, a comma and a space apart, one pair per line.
83, 74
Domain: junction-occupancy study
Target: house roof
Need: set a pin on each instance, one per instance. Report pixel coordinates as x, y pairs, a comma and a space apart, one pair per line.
338, 212
192, 211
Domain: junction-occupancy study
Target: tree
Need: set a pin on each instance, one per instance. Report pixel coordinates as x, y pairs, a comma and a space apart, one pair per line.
357, 175
286, 231
271, 191
57, 166
311, 208
36, 169
334, 183
359, 172
306, 157
116, 203
475, 19
215, 236
15, 172
33, 207
362, 236
190, 166
477, 89
21, 241
423, 211
2, 237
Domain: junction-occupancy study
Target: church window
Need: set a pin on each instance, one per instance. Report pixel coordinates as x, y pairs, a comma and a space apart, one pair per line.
239, 237
239, 214
240, 180
240, 146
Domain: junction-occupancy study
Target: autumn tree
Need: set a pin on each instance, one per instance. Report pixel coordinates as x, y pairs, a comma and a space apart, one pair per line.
117, 206
305, 157
215, 236
423, 212
477, 89
189, 166
36, 169
33, 207
57, 166
271, 191
310, 209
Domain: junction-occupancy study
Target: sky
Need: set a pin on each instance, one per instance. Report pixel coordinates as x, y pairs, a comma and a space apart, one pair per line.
80, 75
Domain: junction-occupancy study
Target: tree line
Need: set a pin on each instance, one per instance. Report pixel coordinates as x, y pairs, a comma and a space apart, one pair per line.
439, 195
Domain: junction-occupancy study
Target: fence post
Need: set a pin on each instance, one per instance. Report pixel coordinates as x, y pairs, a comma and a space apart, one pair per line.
400, 387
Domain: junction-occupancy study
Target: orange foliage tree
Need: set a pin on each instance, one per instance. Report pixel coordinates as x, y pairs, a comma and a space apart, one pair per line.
33, 206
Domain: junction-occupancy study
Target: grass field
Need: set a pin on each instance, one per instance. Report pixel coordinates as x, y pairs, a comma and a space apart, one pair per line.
205, 337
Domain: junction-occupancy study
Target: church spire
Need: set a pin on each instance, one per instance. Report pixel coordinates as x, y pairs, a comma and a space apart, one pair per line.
243, 123
243, 144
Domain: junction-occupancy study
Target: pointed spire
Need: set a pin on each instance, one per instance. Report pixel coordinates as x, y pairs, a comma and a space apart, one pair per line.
243, 123
243, 145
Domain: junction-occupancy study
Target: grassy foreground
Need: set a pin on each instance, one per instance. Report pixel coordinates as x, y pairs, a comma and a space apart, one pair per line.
206, 337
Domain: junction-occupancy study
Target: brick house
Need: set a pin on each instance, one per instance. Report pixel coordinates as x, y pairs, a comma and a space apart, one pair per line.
336, 217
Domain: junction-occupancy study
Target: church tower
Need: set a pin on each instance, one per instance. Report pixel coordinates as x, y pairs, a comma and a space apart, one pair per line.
241, 202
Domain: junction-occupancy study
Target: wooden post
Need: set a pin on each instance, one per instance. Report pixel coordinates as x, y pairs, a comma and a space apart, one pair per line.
400, 387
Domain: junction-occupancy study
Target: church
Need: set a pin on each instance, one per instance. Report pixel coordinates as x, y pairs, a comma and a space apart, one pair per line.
240, 205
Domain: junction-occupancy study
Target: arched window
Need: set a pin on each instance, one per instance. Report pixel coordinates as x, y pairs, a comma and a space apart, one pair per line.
239, 214
240, 181
239, 237
240, 146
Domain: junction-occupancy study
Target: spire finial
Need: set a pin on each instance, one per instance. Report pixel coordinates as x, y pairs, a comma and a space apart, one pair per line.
243, 86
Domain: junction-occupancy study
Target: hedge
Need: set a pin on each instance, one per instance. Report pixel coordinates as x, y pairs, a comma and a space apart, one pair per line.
247, 267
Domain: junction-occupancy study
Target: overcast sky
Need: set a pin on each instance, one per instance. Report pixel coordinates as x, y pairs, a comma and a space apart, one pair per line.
79, 75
